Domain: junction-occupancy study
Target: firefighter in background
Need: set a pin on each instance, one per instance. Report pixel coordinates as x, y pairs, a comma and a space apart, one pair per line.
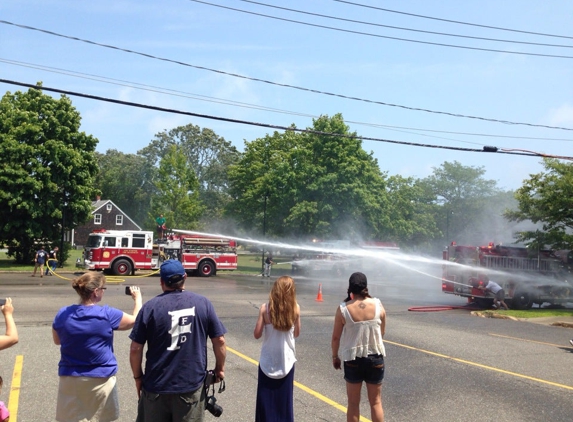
268, 263
160, 226
491, 286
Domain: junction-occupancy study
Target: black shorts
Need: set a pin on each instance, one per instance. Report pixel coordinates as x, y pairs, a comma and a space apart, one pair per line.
369, 369
500, 295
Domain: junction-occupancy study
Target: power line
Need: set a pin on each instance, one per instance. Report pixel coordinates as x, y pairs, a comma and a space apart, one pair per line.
282, 84
487, 149
464, 47
406, 29
183, 94
454, 21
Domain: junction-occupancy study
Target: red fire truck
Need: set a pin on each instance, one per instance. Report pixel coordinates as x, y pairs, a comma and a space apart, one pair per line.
528, 277
122, 252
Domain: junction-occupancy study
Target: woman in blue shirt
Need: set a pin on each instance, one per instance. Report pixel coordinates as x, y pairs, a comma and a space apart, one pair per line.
87, 388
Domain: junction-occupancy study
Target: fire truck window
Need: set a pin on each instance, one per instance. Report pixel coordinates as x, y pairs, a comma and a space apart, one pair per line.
110, 241
124, 242
138, 242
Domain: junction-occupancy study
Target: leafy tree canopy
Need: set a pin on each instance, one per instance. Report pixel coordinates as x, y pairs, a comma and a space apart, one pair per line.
177, 191
126, 179
208, 154
547, 198
310, 184
47, 171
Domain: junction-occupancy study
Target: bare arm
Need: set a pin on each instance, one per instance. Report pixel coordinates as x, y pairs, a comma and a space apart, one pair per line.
135, 361
383, 320
220, 350
336, 334
127, 321
260, 322
11, 336
56, 337
297, 322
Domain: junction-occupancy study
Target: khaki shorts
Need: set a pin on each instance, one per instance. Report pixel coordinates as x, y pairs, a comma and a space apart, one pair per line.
86, 399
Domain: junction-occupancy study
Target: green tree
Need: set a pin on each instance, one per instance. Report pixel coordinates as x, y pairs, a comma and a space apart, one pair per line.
547, 198
177, 191
461, 193
47, 172
208, 154
127, 180
313, 184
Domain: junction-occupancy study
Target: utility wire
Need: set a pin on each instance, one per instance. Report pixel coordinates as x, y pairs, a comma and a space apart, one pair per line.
282, 84
199, 97
488, 149
465, 47
454, 21
405, 29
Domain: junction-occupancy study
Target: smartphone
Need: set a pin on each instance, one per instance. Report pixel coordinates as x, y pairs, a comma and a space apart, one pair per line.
127, 290
2, 302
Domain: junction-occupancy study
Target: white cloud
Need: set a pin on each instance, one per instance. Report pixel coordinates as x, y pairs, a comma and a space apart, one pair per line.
561, 116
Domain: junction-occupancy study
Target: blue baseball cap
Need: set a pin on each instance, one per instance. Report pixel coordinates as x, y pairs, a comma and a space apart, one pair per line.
172, 271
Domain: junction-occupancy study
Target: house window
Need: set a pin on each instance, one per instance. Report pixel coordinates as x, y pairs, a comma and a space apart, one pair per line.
108, 207
119, 220
97, 218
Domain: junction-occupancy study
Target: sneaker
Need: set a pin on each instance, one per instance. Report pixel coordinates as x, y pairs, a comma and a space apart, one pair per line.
571, 341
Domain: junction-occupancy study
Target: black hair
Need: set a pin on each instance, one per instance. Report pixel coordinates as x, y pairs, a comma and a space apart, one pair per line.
357, 285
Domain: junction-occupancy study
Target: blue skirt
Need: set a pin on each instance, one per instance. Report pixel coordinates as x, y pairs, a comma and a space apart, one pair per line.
275, 398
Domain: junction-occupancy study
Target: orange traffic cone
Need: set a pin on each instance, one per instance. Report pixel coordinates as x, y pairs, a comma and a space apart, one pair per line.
319, 295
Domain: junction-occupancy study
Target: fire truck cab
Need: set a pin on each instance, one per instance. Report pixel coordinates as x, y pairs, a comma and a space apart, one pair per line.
122, 252
527, 277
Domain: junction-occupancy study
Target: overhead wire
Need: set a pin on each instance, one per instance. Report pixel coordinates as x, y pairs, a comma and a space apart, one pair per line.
199, 97
453, 21
293, 128
465, 47
315, 91
446, 34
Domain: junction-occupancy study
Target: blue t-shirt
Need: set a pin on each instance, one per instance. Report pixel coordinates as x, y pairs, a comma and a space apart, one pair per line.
41, 256
86, 338
175, 325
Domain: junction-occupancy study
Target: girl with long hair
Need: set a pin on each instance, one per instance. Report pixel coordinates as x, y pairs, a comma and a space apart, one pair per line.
279, 325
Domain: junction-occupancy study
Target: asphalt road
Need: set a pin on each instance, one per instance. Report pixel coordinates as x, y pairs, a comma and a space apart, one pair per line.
440, 366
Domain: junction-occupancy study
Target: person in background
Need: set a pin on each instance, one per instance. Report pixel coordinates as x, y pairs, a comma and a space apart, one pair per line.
491, 286
359, 325
175, 325
4, 412
11, 337
39, 261
87, 389
52, 261
160, 221
268, 264
278, 324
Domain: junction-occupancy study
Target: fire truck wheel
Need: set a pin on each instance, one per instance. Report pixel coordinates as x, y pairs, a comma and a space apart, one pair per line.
122, 267
206, 269
521, 300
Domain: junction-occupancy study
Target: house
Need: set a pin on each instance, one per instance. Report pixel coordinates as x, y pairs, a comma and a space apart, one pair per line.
105, 216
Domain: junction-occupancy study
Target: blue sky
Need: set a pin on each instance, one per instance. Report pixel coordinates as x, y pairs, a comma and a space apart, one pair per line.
494, 85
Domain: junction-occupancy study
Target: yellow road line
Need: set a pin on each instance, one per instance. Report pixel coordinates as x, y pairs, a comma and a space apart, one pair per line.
529, 341
479, 365
15, 389
301, 386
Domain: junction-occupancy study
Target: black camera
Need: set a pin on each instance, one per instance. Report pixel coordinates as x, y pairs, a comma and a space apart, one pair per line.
128, 290
210, 400
212, 406
2, 302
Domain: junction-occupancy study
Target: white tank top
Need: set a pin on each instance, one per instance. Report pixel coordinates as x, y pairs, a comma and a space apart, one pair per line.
362, 338
278, 351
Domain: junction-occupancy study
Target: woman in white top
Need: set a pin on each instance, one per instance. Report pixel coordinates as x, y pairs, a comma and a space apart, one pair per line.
359, 325
279, 325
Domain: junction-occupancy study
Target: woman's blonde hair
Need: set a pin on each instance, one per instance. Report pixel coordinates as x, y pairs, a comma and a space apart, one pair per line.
87, 283
282, 304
